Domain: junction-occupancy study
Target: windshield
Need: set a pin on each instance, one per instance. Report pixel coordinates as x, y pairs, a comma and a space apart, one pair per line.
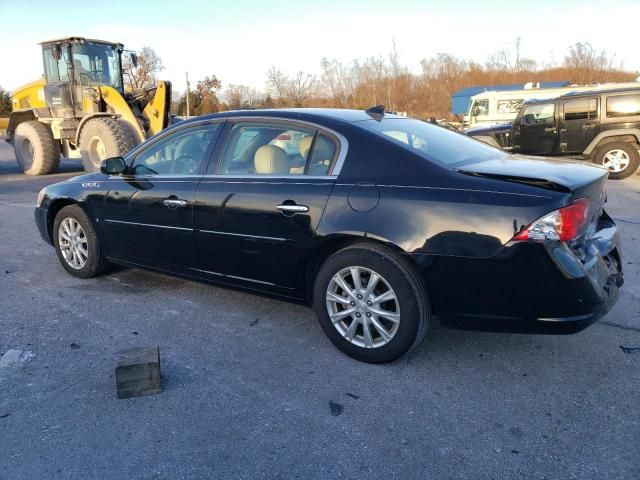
432, 142
97, 64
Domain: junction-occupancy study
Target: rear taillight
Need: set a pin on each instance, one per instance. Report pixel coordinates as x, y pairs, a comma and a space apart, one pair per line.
563, 224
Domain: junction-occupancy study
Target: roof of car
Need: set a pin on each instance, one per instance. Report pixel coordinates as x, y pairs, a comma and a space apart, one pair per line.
345, 115
587, 93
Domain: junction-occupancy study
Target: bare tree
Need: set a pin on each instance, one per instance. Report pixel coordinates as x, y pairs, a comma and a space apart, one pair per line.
144, 75
240, 96
587, 62
292, 91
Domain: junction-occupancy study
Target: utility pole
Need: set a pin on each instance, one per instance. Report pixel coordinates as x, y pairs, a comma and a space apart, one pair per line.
188, 88
518, 53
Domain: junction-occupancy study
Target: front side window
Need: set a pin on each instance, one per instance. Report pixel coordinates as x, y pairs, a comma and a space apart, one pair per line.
539, 114
580, 109
434, 143
276, 149
182, 152
623, 105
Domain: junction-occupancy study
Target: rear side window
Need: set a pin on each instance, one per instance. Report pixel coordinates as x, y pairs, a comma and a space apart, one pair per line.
580, 109
322, 155
623, 105
434, 143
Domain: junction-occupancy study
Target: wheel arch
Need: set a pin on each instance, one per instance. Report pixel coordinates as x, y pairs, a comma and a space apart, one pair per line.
608, 136
332, 244
55, 207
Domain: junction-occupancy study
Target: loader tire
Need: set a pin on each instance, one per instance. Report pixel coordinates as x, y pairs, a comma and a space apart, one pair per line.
103, 138
37, 152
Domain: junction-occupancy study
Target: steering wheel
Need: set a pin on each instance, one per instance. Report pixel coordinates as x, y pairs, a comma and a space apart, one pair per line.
185, 164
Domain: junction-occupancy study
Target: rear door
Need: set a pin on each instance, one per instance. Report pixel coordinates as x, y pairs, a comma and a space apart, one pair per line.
580, 124
258, 207
537, 130
148, 213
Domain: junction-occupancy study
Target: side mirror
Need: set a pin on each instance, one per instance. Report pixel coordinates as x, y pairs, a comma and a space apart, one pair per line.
134, 59
113, 166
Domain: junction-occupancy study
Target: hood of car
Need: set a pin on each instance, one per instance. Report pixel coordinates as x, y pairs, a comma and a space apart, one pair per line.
551, 174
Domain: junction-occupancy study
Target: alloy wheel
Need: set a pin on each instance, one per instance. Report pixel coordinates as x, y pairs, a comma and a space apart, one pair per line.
363, 307
616, 160
73, 244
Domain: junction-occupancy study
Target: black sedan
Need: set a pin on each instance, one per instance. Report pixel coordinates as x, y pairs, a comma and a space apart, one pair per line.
378, 221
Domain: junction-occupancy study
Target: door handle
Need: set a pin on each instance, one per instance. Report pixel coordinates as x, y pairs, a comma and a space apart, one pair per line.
587, 126
550, 129
175, 203
293, 208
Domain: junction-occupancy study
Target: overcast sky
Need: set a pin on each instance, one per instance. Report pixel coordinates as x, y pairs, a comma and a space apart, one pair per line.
239, 40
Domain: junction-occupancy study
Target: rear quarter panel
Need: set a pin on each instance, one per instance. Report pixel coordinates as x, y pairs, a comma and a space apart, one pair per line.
395, 196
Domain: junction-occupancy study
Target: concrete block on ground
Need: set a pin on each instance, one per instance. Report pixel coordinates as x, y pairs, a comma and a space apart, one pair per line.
138, 372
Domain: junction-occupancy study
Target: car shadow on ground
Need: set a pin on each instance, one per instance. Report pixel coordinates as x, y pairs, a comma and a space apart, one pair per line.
67, 166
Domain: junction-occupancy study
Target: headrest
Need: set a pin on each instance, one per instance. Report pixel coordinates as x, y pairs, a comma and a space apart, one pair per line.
305, 145
270, 159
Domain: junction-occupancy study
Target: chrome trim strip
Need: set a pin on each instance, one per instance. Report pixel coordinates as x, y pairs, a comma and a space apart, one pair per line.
148, 225
441, 188
222, 176
242, 235
234, 277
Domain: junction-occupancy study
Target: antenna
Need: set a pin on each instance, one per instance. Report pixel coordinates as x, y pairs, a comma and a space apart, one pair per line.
377, 112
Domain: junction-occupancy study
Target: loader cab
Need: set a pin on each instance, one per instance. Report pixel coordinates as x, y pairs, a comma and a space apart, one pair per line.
74, 67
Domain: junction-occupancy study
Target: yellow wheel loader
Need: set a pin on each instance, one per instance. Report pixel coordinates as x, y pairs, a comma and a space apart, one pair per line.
80, 109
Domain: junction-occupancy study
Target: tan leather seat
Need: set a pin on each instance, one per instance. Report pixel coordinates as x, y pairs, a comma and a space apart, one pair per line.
271, 160
305, 145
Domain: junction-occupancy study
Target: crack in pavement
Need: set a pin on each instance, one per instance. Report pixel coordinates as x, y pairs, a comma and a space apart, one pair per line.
618, 325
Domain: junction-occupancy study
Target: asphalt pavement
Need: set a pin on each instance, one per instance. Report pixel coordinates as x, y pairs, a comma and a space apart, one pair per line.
253, 389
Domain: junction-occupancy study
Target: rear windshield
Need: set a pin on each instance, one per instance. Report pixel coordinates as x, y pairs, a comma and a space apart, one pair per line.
432, 142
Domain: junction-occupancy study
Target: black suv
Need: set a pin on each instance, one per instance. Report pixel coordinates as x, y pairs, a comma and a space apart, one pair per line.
603, 126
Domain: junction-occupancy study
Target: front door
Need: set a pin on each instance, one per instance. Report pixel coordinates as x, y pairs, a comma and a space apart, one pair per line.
148, 213
580, 124
258, 209
537, 131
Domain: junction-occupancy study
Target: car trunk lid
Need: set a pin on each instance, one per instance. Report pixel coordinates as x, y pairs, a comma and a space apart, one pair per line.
576, 179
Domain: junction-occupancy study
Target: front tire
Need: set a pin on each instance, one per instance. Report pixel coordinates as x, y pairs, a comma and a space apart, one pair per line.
103, 138
76, 243
37, 152
371, 303
620, 158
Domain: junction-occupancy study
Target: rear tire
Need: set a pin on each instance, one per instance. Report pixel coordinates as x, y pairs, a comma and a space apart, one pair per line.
103, 138
37, 152
375, 325
76, 243
621, 158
